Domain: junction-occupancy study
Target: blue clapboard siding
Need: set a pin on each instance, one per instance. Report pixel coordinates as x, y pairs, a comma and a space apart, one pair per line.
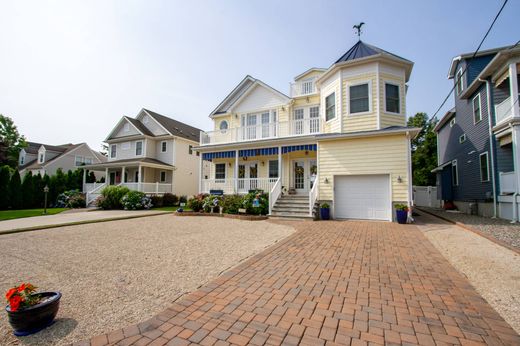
476, 66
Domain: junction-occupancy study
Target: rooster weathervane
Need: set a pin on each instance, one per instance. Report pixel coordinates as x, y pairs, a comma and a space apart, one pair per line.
358, 29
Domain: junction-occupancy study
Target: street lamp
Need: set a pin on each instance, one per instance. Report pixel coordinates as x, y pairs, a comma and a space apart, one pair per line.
46, 191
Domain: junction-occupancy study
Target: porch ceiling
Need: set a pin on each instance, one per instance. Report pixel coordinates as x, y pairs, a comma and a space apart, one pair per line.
146, 162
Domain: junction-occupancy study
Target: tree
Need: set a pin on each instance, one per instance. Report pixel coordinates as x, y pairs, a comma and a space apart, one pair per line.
5, 176
27, 191
91, 177
15, 191
12, 142
38, 190
424, 150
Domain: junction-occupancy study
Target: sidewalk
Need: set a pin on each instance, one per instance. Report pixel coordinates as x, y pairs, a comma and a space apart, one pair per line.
62, 219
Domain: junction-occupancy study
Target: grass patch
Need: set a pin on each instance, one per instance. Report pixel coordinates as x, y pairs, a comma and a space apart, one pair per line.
170, 208
18, 214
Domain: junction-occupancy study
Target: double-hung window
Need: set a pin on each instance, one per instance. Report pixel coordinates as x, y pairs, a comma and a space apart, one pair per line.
220, 171
163, 146
459, 80
484, 167
477, 111
138, 148
359, 98
330, 107
190, 149
113, 150
163, 176
273, 169
392, 98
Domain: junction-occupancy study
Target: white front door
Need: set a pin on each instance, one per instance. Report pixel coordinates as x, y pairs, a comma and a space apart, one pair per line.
247, 175
304, 174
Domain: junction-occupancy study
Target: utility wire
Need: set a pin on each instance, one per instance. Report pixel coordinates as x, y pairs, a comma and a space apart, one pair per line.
469, 62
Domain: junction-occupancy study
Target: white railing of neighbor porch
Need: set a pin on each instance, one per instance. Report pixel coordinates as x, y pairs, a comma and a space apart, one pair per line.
90, 196
313, 194
274, 194
149, 187
507, 182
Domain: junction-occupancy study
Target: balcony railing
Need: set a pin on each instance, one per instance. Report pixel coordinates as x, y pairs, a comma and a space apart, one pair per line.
303, 88
262, 131
159, 188
507, 182
503, 111
241, 185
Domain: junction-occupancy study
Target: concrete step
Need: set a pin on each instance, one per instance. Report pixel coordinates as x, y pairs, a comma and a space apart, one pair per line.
292, 202
293, 197
290, 207
290, 215
285, 217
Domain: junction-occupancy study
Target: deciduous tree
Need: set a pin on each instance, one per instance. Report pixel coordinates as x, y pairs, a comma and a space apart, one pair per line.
11, 141
424, 150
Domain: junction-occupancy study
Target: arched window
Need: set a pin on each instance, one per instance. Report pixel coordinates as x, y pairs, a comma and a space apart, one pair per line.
223, 125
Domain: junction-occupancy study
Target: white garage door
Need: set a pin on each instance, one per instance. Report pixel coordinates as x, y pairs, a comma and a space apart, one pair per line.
362, 197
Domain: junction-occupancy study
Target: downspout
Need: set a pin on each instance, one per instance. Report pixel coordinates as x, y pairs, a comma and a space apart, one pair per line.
410, 182
491, 113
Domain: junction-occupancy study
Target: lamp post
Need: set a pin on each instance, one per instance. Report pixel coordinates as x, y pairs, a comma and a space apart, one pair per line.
46, 191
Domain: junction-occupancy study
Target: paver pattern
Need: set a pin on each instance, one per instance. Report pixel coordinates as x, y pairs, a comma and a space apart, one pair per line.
341, 283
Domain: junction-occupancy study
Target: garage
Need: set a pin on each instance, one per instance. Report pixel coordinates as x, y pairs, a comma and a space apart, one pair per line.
364, 197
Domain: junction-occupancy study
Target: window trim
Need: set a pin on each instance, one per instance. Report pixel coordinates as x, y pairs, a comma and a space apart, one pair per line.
462, 138
487, 166
398, 95
114, 152
22, 160
453, 122
461, 81
269, 169
142, 148
325, 101
190, 149
225, 170
479, 108
370, 110
454, 177
161, 176
222, 123
164, 147
41, 157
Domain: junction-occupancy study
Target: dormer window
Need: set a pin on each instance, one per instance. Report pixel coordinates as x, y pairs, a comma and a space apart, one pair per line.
41, 157
459, 80
22, 159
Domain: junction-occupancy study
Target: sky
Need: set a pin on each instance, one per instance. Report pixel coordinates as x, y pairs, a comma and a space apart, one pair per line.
70, 69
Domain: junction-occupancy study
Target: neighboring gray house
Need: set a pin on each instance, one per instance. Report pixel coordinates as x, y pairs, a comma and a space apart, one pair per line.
477, 139
47, 159
151, 153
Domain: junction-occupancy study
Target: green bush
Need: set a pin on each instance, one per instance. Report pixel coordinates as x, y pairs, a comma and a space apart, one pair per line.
15, 191
111, 197
170, 200
231, 203
135, 200
248, 201
183, 199
5, 176
196, 202
71, 199
157, 201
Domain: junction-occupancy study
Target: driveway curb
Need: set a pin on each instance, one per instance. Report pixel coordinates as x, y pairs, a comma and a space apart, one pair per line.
471, 229
36, 228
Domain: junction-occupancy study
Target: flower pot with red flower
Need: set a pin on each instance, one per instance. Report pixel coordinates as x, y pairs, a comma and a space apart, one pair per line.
29, 312
401, 213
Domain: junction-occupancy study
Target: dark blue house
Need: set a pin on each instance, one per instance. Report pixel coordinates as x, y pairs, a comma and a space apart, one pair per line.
477, 139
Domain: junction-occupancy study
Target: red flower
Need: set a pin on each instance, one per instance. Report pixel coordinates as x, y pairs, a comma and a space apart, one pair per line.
14, 302
10, 293
21, 288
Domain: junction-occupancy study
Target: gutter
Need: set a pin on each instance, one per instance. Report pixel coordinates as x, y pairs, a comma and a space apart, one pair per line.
491, 112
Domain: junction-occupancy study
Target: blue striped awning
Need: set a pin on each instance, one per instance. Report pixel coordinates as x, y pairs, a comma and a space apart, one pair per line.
218, 155
257, 152
307, 147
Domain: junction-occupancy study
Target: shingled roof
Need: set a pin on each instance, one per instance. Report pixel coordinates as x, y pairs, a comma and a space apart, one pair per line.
175, 127
363, 50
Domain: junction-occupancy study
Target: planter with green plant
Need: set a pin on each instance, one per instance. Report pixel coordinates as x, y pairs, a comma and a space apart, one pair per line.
401, 213
325, 211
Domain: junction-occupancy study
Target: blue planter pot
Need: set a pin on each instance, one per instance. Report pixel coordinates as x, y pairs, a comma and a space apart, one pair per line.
35, 318
325, 213
401, 216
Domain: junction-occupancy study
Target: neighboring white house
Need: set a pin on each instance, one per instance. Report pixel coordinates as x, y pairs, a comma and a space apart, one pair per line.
151, 153
47, 159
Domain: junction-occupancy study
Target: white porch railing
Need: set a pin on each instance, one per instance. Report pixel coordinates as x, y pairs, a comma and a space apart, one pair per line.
303, 88
158, 188
274, 194
243, 185
507, 182
265, 184
313, 194
226, 185
300, 127
504, 110
91, 186
91, 195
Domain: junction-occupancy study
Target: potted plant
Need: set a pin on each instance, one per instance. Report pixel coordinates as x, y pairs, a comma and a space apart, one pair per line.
401, 213
29, 312
325, 211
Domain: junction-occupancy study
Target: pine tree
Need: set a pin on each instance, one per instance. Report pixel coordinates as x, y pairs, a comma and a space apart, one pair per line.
15, 191
4, 187
27, 191
38, 191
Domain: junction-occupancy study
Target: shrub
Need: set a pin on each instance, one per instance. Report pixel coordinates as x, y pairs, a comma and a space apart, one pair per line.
183, 199
15, 191
71, 199
263, 201
170, 200
231, 204
210, 203
5, 176
135, 200
111, 197
157, 201
196, 202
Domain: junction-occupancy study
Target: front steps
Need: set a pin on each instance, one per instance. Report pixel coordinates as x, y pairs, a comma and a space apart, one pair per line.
291, 207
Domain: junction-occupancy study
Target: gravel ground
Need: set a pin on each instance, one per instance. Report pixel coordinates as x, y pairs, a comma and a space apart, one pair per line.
493, 270
500, 229
118, 273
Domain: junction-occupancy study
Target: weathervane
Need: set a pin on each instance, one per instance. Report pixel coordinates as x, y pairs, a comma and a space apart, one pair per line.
358, 29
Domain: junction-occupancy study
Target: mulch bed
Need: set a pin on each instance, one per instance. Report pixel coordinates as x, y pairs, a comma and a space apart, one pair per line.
229, 216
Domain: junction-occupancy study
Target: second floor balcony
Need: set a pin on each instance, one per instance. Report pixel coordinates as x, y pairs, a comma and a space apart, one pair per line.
282, 129
504, 110
303, 88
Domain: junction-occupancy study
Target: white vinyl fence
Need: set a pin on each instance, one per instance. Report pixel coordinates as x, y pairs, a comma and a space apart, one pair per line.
426, 196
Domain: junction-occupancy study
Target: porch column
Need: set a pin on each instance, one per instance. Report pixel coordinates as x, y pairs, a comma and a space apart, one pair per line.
84, 179
280, 163
513, 86
516, 161
106, 176
123, 169
236, 172
139, 178
201, 175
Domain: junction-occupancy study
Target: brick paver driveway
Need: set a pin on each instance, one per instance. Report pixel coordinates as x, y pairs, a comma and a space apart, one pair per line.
331, 283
